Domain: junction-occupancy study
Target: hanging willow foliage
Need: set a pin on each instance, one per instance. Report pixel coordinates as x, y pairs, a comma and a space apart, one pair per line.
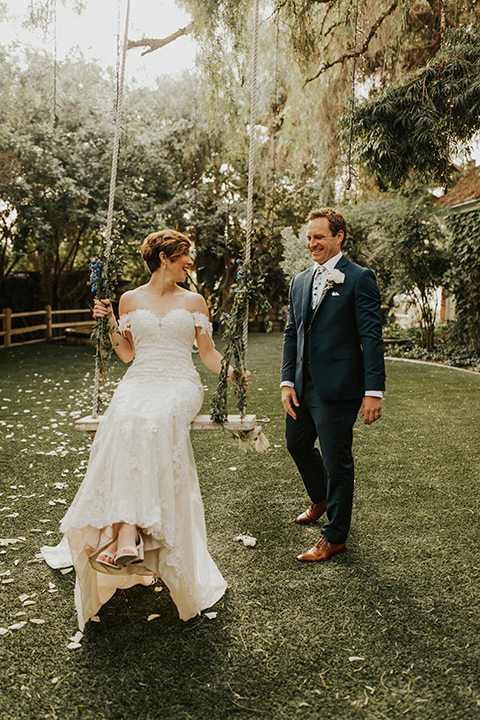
406, 131
249, 293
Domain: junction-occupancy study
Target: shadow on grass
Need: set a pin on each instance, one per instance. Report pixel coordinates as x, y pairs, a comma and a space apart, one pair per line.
388, 630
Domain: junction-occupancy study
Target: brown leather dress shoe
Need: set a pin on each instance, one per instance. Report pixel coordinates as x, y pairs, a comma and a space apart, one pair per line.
321, 551
312, 513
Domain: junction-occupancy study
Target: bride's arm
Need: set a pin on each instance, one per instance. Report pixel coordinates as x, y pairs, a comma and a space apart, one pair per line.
122, 343
209, 355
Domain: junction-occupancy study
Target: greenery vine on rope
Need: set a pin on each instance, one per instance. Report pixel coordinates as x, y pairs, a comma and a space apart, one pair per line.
249, 293
103, 280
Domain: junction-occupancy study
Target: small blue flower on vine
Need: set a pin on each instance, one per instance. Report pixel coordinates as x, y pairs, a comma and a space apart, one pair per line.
96, 271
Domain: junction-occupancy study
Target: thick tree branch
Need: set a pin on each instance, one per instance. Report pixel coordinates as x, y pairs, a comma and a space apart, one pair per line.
157, 43
349, 55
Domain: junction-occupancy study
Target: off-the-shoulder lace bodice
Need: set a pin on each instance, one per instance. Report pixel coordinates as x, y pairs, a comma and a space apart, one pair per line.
171, 318
163, 345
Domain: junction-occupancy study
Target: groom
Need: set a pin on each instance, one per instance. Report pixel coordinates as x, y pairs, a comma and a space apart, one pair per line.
332, 365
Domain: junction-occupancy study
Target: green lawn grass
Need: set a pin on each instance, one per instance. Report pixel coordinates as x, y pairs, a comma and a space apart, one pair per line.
403, 600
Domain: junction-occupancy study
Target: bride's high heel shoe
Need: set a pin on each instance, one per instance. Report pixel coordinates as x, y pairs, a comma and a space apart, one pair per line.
108, 564
130, 553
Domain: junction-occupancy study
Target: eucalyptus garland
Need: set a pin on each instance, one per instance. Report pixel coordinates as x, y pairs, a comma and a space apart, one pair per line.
248, 293
103, 280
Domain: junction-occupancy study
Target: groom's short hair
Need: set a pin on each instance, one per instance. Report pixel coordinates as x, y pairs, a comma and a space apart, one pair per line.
335, 220
171, 242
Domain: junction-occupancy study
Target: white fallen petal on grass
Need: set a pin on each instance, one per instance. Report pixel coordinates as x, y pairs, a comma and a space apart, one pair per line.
73, 646
22, 598
8, 541
232, 468
211, 615
17, 626
152, 617
3, 631
28, 602
247, 540
158, 589
54, 681
77, 637
64, 571
37, 621
6, 573
8, 580
353, 658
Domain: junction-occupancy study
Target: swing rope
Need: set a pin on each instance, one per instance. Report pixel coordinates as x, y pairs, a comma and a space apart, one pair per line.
111, 196
251, 164
248, 290
352, 109
249, 434
55, 67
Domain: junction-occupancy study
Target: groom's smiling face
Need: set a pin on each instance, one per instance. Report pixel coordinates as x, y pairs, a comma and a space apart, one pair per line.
321, 243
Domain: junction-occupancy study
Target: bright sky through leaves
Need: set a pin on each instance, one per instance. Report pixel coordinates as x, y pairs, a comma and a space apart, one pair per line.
95, 30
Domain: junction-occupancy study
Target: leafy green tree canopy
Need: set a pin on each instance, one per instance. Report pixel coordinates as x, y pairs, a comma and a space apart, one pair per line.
408, 130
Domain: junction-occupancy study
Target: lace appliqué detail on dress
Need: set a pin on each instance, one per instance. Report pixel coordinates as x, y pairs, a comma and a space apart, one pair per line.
204, 323
124, 322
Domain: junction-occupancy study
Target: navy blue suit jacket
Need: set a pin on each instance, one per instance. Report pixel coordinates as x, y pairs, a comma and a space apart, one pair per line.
345, 347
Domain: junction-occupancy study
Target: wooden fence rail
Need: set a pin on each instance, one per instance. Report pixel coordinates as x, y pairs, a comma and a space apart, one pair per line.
47, 325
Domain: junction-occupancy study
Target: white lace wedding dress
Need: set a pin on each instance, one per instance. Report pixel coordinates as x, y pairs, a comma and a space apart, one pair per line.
142, 471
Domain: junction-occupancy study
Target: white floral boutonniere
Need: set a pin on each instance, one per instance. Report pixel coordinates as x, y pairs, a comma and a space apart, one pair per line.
335, 278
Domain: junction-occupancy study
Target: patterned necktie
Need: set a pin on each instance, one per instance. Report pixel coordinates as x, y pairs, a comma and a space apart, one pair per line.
317, 285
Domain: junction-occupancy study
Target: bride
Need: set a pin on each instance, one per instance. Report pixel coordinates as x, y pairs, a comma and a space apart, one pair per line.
138, 514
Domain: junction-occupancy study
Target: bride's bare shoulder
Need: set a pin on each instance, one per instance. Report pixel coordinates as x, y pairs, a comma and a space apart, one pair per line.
195, 302
130, 300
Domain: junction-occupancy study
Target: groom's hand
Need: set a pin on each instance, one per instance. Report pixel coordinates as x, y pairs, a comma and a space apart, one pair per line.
371, 409
290, 400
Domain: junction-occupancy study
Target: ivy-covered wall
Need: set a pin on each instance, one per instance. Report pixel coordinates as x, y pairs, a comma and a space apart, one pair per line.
464, 274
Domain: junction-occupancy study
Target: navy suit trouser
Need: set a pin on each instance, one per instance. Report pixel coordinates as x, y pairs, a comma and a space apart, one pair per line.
328, 475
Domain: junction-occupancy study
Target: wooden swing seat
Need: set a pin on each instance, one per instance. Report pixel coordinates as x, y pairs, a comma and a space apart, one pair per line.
237, 423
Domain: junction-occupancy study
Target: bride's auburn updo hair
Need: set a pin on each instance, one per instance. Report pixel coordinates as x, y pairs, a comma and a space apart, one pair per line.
171, 242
